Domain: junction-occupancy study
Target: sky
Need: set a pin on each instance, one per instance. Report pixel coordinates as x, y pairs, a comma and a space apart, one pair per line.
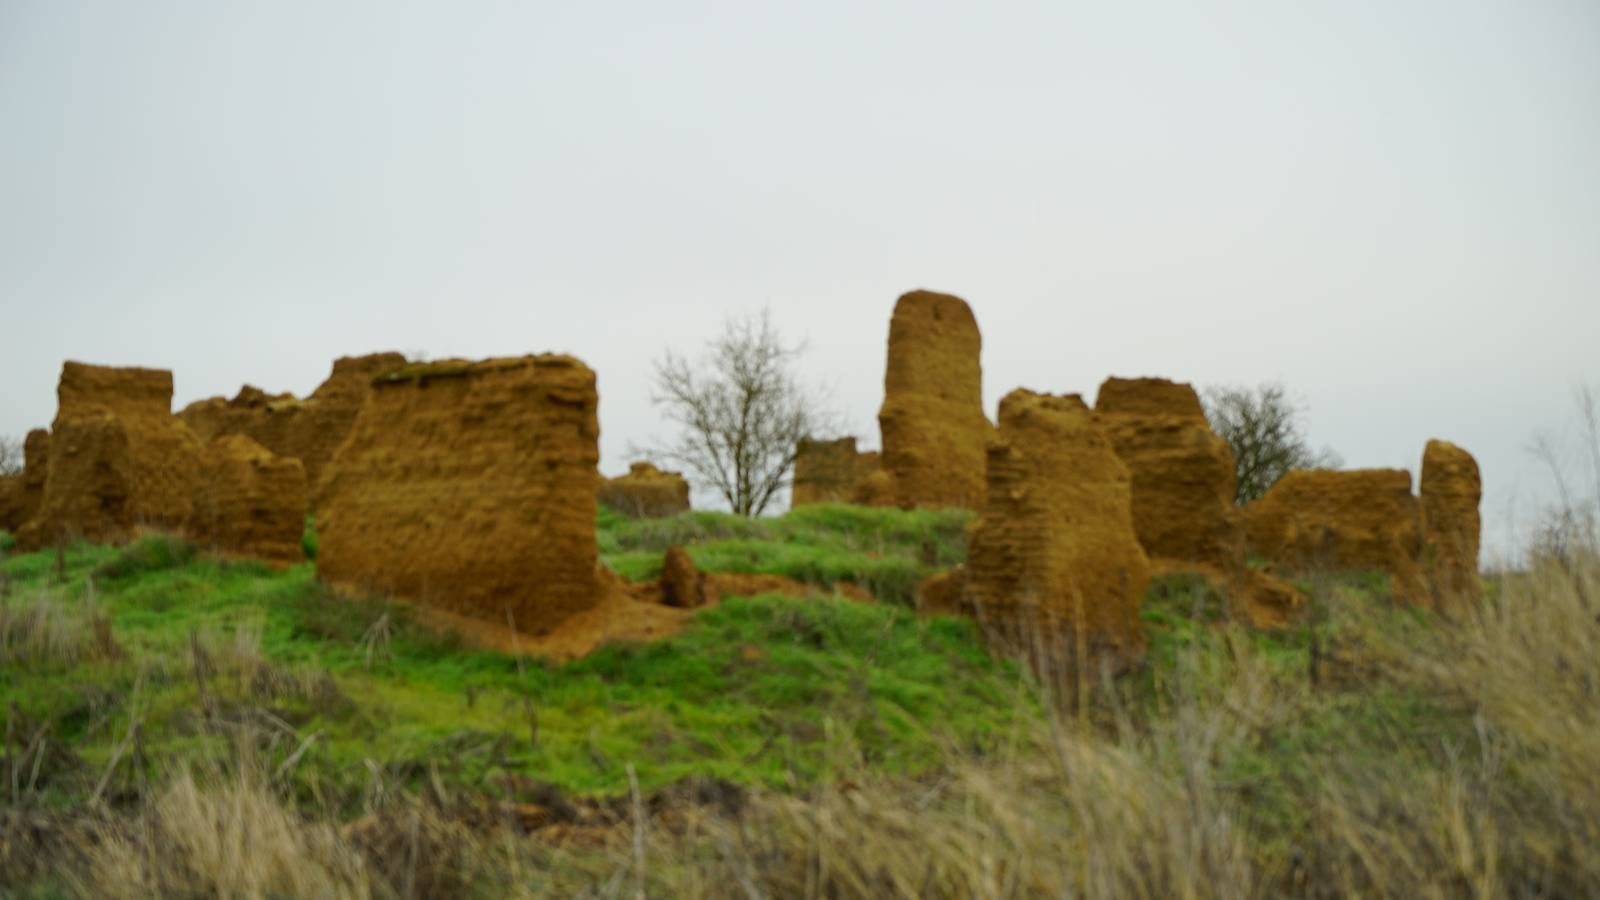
1391, 208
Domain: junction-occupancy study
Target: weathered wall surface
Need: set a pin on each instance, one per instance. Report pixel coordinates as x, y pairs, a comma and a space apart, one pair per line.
11, 517
309, 430
830, 471
934, 429
163, 453
117, 458
251, 502
1054, 562
471, 486
646, 492
1354, 519
1183, 472
1450, 490
89, 483
36, 468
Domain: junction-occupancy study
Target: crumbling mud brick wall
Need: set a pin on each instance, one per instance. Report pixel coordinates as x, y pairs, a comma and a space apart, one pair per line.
1317, 519
646, 492
251, 502
11, 517
36, 468
934, 430
124, 460
309, 430
89, 483
1054, 564
471, 486
20, 493
830, 471
1450, 490
1183, 472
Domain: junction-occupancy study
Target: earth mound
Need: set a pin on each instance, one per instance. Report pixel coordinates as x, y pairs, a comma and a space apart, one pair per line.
830, 471
1183, 472
682, 585
252, 502
1353, 519
1450, 490
934, 429
1055, 565
471, 486
646, 492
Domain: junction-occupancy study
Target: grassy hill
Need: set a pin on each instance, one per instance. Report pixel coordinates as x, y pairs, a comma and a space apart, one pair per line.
170, 718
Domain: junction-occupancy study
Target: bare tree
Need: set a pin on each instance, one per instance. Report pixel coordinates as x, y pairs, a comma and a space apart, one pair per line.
11, 455
741, 410
1262, 425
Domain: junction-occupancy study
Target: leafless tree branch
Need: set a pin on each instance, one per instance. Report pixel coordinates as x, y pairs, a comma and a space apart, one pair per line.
1262, 425
740, 410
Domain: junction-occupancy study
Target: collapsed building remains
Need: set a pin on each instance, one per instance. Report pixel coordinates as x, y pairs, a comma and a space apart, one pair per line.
646, 492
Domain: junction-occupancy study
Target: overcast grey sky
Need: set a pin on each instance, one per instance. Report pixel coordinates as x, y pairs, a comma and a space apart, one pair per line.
1392, 207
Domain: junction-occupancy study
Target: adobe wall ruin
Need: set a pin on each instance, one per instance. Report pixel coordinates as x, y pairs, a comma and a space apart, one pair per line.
1450, 490
89, 483
309, 430
117, 457
20, 493
646, 492
251, 502
471, 486
1183, 472
1054, 562
1318, 519
932, 421
830, 471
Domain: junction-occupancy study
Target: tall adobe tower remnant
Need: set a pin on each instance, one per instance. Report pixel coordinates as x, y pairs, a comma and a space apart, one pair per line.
1450, 490
934, 429
471, 486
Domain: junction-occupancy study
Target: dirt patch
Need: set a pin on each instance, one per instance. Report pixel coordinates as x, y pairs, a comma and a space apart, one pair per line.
616, 615
471, 487
830, 471
646, 492
252, 502
309, 430
1322, 520
1450, 490
934, 429
945, 594
1055, 566
1183, 473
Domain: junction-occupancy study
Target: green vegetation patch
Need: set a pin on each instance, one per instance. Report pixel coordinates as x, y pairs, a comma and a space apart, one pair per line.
885, 551
350, 693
